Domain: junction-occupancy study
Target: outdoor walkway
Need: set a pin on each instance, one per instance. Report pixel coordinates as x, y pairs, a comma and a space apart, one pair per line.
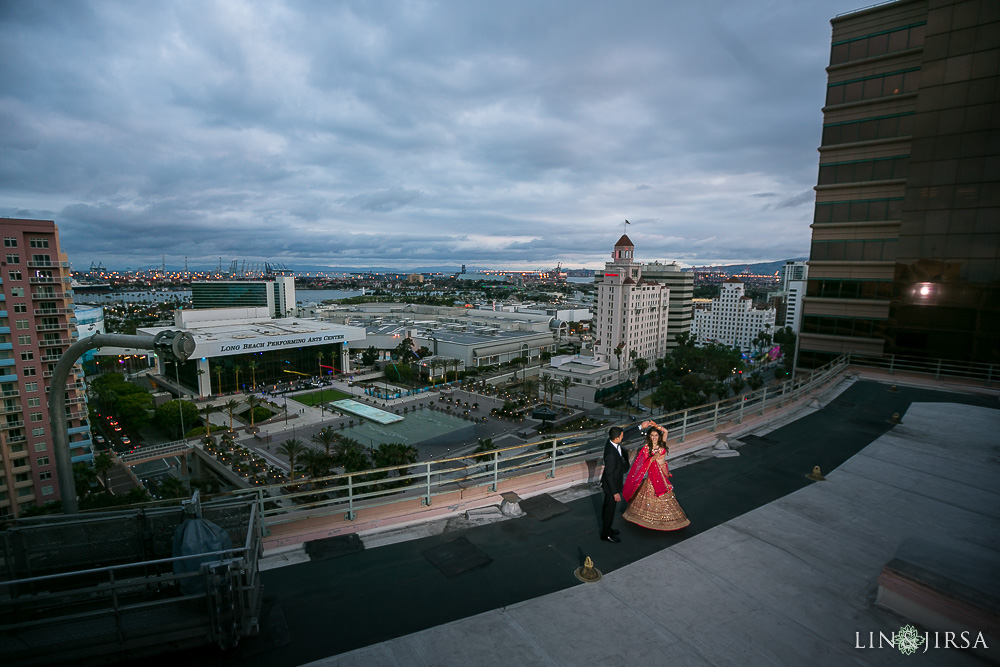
775, 569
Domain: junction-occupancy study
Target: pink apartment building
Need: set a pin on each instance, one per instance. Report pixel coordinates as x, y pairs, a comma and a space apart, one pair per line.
36, 327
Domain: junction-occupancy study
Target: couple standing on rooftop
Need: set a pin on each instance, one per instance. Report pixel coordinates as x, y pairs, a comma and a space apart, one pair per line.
646, 488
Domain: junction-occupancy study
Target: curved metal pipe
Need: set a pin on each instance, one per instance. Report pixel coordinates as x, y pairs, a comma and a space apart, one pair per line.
175, 343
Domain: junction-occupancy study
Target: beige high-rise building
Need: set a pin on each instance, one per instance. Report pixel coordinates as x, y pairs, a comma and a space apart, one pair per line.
905, 255
732, 319
631, 311
36, 327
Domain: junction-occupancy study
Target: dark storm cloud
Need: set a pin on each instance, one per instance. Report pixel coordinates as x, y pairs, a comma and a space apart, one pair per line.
408, 133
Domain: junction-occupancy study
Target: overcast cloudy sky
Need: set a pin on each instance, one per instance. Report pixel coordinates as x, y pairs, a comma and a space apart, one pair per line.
505, 134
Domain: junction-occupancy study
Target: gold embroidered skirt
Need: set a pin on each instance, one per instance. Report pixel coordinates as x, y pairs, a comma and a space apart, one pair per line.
648, 511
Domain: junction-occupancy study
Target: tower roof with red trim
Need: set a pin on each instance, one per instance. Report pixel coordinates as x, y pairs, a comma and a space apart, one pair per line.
625, 241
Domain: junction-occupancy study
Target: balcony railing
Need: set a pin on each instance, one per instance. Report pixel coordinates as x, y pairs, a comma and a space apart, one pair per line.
47, 265
51, 295
62, 326
48, 280
14, 439
76, 415
13, 424
10, 392
54, 341
52, 311
6, 410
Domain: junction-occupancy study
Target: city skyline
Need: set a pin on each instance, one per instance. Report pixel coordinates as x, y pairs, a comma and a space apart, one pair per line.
414, 135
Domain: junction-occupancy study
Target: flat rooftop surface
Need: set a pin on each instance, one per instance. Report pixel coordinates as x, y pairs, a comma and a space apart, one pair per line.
774, 570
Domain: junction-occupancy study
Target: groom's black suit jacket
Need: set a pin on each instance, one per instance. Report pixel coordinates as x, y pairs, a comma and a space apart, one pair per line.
615, 466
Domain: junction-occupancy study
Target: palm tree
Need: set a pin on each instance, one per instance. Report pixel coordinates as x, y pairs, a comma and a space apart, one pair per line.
231, 406
551, 385
530, 388
218, 375
252, 402
484, 445
434, 364
237, 369
618, 358
517, 362
345, 445
172, 487
640, 365
291, 449
565, 383
252, 365
391, 454
208, 409
314, 462
102, 464
325, 439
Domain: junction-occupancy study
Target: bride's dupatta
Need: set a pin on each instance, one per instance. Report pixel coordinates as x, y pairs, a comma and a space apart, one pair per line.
643, 464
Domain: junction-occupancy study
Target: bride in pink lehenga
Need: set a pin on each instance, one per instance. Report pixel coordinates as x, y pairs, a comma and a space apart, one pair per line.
652, 503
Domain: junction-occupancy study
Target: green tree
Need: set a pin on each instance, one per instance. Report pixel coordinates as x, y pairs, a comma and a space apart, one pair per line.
756, 380
404, 350
325, 438
389, 454
291, 449
670, 396
102, 465
314, 462
786, 338
207, 485
84, 479
231, 406
237, 369
207, 410
173, 415
253, 365
172, 487
398, 372
565, 383
129, 403
354, 460
641, 365
484, 449
252, 404
530, 389
550, 386
369, 356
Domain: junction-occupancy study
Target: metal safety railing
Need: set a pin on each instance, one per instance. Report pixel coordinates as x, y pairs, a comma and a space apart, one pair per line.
106, 584
938, 368
344, 494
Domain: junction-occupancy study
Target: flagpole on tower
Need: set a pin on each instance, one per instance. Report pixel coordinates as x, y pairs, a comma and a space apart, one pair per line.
623, 226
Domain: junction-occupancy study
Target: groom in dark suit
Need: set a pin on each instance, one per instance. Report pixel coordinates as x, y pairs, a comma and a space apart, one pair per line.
613, 478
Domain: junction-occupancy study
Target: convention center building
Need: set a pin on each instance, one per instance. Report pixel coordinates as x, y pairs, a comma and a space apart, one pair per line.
245, 349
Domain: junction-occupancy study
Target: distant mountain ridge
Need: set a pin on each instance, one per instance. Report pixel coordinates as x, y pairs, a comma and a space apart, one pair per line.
761, 268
